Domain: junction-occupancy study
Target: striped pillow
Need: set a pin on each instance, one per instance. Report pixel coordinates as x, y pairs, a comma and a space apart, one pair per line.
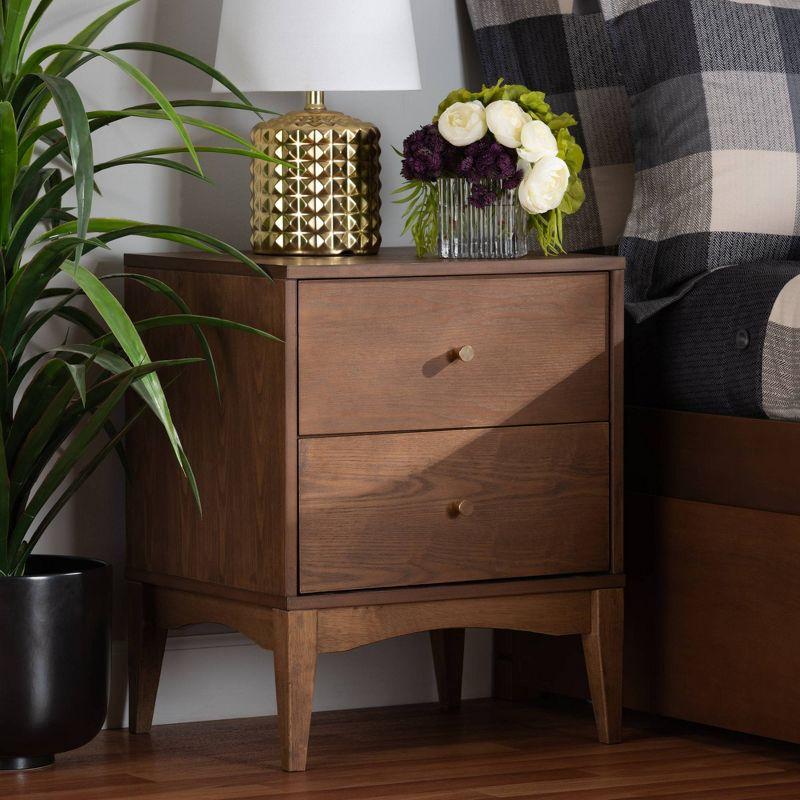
715, 97
561, 47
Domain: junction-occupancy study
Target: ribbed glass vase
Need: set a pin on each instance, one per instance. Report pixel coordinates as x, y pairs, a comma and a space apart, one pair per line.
497, 231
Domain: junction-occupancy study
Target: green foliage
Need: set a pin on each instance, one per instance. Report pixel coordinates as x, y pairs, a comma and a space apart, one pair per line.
421, 216
56, 405
549, 231
571, 152
456, 96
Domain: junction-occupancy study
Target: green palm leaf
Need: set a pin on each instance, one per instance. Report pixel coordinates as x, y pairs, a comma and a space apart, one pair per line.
76, 127
114, 442
63, 61
187, 58
5, 507
102, 117
56, 404
33, 23
173, 320
124, 331
134, 72
78, 445
8, 166
156, 285
15, 12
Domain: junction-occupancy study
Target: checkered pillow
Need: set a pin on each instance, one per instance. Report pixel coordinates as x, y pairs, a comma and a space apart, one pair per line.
715, 94
561, 47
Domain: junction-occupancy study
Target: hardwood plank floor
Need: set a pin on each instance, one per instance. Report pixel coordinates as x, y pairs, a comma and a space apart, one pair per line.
489, 749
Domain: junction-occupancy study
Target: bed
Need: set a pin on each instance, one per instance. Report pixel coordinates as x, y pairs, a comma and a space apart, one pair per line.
730, 346
712, 473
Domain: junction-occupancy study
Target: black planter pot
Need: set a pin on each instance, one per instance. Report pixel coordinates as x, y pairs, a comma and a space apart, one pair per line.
55, 626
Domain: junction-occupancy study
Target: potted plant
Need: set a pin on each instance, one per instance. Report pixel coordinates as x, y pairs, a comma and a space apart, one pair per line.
56, 405
492, 167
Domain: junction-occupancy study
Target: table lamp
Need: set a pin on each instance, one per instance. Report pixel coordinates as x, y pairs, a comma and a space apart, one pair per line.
329, 201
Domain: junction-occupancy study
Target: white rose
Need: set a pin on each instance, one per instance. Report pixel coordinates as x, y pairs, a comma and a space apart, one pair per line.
537, 141
505, 120
463, 123
544, 186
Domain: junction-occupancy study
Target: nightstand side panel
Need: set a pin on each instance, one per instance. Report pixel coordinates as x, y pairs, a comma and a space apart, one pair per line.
242, 449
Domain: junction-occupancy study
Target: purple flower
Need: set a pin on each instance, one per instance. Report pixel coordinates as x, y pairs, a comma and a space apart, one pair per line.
424, 154
427, 155
480, 196
514, 181
484, 160
480, 159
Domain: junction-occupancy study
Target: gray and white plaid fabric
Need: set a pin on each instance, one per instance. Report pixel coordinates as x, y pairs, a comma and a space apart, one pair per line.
715, 97
561, 47
780, 360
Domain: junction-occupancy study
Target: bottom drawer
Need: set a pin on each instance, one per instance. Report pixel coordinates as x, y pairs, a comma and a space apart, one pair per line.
382, 510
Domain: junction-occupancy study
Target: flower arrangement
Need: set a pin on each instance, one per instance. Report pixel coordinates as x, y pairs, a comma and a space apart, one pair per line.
502, 136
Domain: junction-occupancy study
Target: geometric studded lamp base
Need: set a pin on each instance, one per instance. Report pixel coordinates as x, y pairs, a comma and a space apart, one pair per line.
329, 201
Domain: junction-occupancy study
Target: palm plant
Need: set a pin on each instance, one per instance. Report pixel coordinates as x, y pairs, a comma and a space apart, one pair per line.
56, 406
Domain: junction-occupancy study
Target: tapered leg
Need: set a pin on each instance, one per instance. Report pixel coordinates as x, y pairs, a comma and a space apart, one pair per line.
145, 654
295, 667
602, 649
448, 661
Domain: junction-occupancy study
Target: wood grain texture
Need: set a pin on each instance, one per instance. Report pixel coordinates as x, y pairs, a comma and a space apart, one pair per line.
242, 449
295, 668
176, 609
146, 642
382, 554
753, 463
390, 262
447, 647
616, 350
296, 637
447, 591
711, 603
375, 511
602, 649
488, 750
554, 614
377, 355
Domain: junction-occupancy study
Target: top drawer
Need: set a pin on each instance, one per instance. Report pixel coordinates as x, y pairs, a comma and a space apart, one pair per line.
380, 355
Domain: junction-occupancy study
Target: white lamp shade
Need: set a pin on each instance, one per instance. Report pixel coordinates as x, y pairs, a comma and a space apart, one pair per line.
327, 45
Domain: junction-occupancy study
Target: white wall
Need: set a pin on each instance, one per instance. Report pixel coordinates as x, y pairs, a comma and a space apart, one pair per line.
223, 675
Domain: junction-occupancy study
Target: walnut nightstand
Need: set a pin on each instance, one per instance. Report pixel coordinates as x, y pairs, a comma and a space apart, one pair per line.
438, 445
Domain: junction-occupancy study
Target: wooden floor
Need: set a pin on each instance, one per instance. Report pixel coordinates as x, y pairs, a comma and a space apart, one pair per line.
488, 750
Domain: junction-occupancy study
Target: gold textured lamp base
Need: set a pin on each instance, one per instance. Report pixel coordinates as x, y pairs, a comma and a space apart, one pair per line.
328, 203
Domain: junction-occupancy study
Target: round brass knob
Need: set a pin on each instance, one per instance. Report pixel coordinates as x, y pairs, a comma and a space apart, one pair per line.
465, 353
462, 508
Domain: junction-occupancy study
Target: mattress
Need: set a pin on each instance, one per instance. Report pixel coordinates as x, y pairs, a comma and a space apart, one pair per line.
730, 346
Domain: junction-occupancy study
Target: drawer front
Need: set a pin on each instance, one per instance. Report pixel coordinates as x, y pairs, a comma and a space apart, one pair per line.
379, 355
380, 510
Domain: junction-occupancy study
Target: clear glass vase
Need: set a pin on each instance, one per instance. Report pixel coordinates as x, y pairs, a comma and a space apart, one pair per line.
497, 231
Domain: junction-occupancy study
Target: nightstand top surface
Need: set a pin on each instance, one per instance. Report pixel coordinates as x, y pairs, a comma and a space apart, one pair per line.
389, 263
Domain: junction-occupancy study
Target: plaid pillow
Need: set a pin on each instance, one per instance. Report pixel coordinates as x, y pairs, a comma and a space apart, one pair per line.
561, 47
715, 94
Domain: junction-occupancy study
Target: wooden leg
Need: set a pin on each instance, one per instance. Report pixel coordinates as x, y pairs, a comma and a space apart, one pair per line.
145, 654
448, 661
602, 650
295, 666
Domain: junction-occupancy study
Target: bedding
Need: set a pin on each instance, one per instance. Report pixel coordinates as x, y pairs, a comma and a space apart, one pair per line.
715, 222
715, 101
730, 346
561, 48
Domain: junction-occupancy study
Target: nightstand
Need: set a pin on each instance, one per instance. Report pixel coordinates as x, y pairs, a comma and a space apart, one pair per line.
436, 446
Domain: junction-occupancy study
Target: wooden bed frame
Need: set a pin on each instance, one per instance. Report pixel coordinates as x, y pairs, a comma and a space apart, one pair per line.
712, 555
